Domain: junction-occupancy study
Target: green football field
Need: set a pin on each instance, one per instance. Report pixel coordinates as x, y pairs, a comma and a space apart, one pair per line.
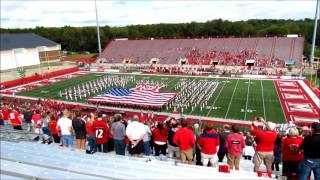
237, 99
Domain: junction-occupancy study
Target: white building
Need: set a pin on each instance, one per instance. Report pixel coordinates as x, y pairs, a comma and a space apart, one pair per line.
26, 49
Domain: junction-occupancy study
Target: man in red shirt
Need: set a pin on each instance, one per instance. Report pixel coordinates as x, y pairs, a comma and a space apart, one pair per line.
101, 130
185, 139
207, 143
234, 145
15, 119
265, 144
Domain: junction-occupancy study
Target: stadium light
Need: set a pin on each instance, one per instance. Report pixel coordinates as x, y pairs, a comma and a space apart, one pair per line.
98, 32
314, 39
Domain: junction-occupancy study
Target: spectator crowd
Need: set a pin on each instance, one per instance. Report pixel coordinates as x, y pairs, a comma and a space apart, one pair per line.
187, 142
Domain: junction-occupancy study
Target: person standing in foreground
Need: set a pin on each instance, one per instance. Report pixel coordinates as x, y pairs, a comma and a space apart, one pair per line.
52, 125
27, 115
207, 144
223, 136
135, 132
79, 126
265, 144
173, 150
147, 140
160, 135
291, 153
101, 130
65, 126
119, 134
234, 145
311, 150
185, 140
91, 137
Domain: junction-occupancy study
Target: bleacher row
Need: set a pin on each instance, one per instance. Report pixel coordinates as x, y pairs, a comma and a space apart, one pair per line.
269, 51
38, 161
9, 134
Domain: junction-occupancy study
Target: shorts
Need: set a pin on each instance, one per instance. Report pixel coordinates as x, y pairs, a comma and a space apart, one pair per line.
205, 158
233, 160
67, 140
265, 157
81, 136
186, 154
138, 149
173, 151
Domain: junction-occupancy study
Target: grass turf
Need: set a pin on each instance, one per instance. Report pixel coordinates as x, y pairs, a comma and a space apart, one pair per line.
238, 99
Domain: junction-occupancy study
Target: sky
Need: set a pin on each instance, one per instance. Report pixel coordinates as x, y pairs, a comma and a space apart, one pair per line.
32, 13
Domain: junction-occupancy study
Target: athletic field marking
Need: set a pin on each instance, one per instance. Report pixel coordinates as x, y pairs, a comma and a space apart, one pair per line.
231, 99
216, 98
275, 85
245, 113
172, 87
264, 107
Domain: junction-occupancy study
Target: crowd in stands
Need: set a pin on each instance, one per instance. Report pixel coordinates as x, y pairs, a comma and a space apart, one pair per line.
230, 58
202, 144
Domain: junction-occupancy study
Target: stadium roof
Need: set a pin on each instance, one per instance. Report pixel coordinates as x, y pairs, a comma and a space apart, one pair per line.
23, 40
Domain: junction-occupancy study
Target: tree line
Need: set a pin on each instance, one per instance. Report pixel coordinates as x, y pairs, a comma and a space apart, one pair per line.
85, 38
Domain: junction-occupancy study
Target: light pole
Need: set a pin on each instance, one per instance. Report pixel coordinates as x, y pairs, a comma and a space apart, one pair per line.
314, 40
98, 32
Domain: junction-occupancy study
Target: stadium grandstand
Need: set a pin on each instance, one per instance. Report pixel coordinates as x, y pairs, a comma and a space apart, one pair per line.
258, 51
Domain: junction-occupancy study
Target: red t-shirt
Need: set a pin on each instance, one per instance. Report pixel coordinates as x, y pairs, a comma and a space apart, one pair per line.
6, 114
15, 118
89, 128
266, 139
184, 138
290, 149
53, 127
35, 119
160, 136
235, 144
208, 141
101, 131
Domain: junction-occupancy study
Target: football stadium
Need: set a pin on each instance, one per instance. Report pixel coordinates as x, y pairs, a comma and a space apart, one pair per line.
201, 106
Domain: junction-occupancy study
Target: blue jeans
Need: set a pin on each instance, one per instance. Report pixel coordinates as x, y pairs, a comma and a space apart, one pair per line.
146, 148
46, 131
91, 143
102, 147
67, 140
306, 166
120, 146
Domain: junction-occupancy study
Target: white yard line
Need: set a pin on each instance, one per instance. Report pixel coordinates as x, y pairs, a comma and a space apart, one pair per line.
225, 82
245, 113
314, 98
264, 107
235, 88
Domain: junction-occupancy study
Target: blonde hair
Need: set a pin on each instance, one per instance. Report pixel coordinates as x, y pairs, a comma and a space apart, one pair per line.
65, 112
293, 132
